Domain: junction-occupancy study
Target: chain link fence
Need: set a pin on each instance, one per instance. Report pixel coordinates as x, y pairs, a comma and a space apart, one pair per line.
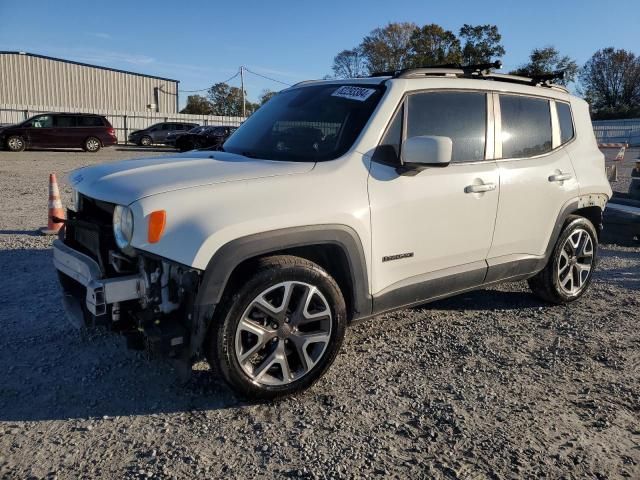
618, 131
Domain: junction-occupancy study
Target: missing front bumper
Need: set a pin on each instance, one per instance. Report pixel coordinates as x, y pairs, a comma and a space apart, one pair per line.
100, 292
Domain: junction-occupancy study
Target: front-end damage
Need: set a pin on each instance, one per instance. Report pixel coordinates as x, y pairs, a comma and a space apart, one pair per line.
146, 298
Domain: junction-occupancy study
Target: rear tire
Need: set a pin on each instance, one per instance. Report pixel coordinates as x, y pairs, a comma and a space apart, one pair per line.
15, 143
92, 145
279, 331
569, 271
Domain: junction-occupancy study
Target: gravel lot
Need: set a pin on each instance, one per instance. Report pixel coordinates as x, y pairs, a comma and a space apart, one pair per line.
492, 384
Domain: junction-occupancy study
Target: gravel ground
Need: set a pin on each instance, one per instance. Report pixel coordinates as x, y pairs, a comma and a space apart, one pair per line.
491, 384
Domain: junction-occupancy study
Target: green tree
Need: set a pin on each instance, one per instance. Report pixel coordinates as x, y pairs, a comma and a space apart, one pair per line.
547, 60
387, 48
265, 96
611, 83
197, 105
433, 45
349, 64
227, 100
481, 44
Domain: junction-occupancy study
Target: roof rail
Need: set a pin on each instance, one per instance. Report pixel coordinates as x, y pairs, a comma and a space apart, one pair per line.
482, 71
541, 80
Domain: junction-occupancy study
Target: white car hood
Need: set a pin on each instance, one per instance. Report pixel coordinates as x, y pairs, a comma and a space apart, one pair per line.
130, 180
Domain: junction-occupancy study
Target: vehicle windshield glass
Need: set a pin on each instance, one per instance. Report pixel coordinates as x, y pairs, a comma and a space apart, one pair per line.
307, 124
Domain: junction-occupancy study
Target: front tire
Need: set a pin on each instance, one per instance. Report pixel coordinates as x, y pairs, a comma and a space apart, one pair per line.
15, 143
569, 271
145, 141
280, 331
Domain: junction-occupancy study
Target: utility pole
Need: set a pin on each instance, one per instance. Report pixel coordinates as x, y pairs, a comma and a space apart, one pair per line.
244, 102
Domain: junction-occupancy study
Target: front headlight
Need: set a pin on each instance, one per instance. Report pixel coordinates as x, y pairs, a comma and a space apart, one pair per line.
123, 226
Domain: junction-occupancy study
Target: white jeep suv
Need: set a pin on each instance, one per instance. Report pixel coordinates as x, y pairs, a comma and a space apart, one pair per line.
336, 201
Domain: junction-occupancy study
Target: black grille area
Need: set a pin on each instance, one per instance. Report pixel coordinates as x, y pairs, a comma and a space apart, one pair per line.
90, 231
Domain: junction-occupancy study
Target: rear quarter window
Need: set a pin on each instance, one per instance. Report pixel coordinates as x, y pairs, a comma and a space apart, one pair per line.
526, 126
565, 119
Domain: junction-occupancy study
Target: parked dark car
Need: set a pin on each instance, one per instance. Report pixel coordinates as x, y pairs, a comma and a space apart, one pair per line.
61, 130
158, 132
172, 137
210, 138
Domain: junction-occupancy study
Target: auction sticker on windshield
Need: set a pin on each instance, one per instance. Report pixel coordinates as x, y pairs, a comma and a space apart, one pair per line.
353, 93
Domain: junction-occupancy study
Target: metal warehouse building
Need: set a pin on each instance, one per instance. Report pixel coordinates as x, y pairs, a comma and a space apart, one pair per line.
29, 79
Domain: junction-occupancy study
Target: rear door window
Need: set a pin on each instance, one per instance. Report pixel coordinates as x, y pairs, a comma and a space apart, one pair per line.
566, 121
64, 121
90, 121
461, 116
526, 126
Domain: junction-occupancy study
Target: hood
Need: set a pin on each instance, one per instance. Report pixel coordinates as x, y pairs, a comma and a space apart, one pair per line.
135, 132
4, 127
130, 180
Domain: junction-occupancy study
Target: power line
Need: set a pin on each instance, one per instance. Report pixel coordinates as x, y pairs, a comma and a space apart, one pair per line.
205, 89
267, 78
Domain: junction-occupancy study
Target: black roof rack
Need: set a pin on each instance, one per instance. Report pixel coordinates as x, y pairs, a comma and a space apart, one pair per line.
466, 69
482, 71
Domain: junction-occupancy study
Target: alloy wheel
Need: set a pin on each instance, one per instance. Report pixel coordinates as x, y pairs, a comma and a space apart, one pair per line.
92, 144
575, 262
283, 333
15, 143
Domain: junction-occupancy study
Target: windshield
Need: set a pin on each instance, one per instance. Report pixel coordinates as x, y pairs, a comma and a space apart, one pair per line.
307, 124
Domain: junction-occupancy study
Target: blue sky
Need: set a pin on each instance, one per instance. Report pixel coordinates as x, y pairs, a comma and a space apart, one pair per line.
203, 42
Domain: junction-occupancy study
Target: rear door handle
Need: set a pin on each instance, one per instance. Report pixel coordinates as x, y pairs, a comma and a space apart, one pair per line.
483, 187
560, 177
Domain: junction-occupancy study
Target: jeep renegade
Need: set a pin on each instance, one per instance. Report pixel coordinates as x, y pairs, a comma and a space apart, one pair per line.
336, 201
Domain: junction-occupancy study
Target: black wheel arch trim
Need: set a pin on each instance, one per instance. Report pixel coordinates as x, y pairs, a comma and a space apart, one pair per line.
229, 256
572, 207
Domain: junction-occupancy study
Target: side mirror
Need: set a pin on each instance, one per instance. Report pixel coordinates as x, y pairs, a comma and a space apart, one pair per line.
425, 151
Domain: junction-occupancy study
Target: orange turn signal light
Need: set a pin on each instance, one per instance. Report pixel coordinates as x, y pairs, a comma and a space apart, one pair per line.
157, 220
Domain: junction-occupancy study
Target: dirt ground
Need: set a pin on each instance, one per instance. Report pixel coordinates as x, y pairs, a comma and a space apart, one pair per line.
490, 384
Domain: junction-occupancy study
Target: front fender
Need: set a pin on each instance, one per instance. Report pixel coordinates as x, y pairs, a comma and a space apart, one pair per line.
232, 254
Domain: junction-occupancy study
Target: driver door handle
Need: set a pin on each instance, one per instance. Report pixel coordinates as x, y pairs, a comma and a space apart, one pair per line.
560, 177
483, 187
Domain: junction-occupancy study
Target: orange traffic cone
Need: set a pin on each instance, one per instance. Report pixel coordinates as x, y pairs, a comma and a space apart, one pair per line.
55, 208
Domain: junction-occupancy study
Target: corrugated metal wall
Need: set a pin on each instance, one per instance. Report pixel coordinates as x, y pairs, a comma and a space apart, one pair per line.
34, 80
